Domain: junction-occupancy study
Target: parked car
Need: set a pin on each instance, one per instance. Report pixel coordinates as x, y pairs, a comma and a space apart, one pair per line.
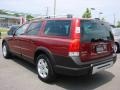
12, 29
69, 46
116, 34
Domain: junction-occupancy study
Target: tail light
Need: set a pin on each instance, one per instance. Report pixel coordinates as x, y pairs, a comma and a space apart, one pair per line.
74, 47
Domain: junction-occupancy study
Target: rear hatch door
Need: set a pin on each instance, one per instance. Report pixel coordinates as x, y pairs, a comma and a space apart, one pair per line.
96, 40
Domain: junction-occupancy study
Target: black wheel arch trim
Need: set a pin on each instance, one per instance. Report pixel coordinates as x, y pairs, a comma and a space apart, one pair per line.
48, 53
5, 41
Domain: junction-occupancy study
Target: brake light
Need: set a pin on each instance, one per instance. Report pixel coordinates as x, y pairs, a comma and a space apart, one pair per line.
74, 47
76, 29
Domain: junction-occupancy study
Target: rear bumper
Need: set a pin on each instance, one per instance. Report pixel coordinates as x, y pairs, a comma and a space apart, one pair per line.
82, 68
72, 71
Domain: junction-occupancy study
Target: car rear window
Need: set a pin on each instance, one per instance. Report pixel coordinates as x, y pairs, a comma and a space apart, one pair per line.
58, 27
94, 30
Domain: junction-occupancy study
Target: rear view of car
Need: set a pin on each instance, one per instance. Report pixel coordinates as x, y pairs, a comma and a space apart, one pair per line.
91, 48
96, 44
96, 40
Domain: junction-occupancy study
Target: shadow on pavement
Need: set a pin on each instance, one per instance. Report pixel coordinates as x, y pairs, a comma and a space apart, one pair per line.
24, 63
85, 83
74, 83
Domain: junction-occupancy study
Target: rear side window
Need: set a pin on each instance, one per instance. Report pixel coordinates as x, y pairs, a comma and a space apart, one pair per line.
58, 27
33, 28
93, 30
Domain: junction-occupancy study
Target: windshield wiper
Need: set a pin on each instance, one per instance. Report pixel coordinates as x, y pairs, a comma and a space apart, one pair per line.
98, 40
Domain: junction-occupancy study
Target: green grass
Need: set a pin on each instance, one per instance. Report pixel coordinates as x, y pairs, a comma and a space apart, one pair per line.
3, 32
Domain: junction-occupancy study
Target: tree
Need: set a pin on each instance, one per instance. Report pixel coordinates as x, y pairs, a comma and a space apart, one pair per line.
87, 14
118, 24
29, 17
16, 14
3, 12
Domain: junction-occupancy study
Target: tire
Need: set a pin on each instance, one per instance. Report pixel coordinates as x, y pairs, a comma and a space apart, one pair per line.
5, 50
44, 69
116, 47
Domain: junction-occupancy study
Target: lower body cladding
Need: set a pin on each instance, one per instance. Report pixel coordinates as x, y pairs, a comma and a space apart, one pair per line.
73, 67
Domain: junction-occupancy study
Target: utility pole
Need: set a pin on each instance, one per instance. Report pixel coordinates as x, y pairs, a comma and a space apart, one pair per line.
100, 13
47, 11
114, 18
54, 8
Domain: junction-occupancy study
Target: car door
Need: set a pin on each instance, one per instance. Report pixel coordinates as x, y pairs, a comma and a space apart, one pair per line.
29, 39
14, 42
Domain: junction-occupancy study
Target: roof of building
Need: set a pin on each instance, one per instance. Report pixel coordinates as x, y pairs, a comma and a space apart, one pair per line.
9, 17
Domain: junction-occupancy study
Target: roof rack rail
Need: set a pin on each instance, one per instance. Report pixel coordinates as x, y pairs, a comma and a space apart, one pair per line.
97, 18
48, 17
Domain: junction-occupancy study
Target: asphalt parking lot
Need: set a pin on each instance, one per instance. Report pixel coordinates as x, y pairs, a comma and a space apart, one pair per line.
16, 74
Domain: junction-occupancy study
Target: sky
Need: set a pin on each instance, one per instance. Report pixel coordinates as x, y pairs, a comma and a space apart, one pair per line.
109, 8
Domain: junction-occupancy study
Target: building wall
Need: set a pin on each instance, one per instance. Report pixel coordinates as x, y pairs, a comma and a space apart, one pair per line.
13, 22
6, 22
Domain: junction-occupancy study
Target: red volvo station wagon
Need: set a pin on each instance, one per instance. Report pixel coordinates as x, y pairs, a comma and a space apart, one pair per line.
69, 46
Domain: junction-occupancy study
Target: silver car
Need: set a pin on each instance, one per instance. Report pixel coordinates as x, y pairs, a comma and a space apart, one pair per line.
116, 34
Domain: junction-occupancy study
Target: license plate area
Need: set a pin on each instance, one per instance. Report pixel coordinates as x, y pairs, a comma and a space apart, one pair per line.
101, 48
101, 67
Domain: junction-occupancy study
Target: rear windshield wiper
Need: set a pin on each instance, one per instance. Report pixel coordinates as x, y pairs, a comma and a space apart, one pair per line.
98, 40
